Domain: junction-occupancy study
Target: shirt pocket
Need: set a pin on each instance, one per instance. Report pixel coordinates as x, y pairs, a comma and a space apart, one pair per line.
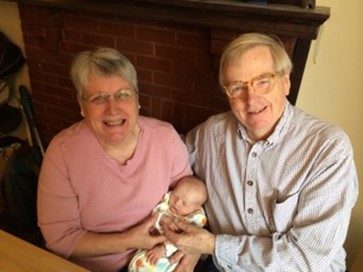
283, 212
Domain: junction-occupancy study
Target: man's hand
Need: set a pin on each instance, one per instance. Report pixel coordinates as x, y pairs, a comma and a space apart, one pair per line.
190, 239
187, 262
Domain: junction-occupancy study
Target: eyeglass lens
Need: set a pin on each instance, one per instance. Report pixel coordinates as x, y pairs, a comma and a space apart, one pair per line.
261, 84
121, 95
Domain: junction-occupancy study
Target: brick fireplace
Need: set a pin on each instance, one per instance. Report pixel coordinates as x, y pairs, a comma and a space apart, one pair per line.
175, 46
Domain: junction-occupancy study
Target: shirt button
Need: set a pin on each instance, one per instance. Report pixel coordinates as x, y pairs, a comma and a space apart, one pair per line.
254, 154
250, 183
250, 210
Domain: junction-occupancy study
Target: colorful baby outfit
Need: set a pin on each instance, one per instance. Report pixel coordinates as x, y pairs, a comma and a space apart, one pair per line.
139, 262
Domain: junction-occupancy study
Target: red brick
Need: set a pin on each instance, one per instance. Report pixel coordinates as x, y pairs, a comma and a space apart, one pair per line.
82, 23
155, 35
223, 34
75, 48
209, 86
72, 35
155, 109
197, 42
57, 92
166, 110
51, 45
131, 45
97, 40
217, 46
144, 75
152, 90
42, 76
171, 80
39, 54
144, 101
175, 53
153, 64
119, 29
32, 30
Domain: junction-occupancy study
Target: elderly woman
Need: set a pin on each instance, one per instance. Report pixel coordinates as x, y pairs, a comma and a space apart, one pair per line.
102, 176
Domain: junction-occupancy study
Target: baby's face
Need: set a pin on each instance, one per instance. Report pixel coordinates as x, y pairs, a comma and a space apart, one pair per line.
182, 202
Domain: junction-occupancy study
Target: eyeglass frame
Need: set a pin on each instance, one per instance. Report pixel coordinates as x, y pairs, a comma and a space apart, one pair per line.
104, 98
249, 83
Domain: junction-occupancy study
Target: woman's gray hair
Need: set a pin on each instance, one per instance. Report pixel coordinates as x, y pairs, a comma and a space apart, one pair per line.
243, 43
102, 62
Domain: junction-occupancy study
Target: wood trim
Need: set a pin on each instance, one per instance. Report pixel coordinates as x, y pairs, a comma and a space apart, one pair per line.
299, 58
286, 20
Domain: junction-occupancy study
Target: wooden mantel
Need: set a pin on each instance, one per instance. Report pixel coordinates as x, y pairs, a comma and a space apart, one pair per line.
177, 89
282, 20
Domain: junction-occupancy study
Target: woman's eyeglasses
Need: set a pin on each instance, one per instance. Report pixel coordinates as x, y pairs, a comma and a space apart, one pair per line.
101, 99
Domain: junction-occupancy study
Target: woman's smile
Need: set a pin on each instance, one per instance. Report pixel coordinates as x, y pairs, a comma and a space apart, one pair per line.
115, 123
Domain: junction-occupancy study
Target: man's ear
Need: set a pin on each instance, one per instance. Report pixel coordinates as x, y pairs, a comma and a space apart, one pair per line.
286, 83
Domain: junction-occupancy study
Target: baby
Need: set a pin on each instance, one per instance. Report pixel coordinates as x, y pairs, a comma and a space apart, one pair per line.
183, 202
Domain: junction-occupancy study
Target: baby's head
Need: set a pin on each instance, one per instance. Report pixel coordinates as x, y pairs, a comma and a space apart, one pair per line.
188, 196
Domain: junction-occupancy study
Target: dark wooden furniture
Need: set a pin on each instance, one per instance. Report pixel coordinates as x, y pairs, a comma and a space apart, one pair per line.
285, 20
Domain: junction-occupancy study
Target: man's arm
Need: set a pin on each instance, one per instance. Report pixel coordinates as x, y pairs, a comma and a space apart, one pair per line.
313, 243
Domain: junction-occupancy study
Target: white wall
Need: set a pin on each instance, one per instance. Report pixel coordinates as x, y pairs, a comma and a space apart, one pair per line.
332, 88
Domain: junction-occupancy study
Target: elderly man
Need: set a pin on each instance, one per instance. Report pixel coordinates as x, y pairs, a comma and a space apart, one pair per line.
281, 183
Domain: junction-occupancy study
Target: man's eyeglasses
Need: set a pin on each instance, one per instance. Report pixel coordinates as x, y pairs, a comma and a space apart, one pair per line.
261, 84
102, 99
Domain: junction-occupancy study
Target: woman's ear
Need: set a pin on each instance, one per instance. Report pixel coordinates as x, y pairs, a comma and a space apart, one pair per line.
81, 108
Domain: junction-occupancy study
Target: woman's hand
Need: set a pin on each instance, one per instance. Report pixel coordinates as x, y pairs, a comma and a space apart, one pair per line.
95, 244
190, 239
140, 236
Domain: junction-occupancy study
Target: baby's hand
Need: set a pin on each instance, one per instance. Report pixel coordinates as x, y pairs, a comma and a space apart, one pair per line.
169, 221
174, 227
153, 255
165, 219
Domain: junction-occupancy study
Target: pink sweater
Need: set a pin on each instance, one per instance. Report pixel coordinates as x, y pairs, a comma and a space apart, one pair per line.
82, 189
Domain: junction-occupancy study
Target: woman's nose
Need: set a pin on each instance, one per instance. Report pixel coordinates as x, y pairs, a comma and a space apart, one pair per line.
112, 106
